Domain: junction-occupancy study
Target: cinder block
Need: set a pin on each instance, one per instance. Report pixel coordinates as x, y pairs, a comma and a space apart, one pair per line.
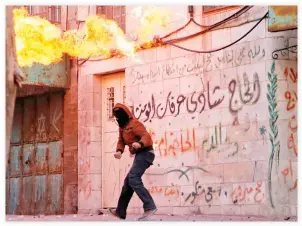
181, 210
89, 101
82, 118
210, 210
228, 153
257, 33
89, 83
253, 150
146, 91
97, 101
163, 53
214, 174
250, 210
89, 118
150, 55
171, 85
97, 118
96, 133
236, 172
82, 83
97, 83
94, 148
96, 166
217, 41
137, 75
293, 55
88, 202
239, 54
276, 43
230, 210
242, 132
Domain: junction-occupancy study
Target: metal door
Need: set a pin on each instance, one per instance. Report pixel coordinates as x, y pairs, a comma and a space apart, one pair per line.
113, 91
34, 182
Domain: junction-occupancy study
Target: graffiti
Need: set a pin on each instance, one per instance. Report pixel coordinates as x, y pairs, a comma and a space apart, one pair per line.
291, 104
55, 119
41, 127
246, 194
289, 172
182, 172
169, 144
87, 189
247, 122
193, 102
235, 121
291, 144
234, 152
273, 113
255, 52
144, 77
216, 138
198, 191
292, 99
291, 73
262, 131
198, 64
290, 125
247, 96
239, 55
165, 191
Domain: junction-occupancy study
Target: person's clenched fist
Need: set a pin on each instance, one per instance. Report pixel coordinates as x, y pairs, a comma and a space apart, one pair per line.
136, 145
118, 155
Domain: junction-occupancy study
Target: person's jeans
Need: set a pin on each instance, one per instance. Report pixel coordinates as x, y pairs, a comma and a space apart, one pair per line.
133, 183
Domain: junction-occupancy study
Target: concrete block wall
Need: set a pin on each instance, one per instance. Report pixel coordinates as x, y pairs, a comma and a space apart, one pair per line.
210, 121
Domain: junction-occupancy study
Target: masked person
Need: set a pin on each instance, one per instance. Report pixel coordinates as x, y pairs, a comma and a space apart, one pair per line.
134, 134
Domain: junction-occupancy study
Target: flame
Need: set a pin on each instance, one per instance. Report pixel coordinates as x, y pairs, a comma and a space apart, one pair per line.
151, 19
39, 41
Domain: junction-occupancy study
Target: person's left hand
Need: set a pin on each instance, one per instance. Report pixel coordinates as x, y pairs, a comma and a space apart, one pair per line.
136, 145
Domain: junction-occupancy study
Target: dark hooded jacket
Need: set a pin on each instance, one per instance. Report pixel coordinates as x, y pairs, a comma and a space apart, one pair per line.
132, 131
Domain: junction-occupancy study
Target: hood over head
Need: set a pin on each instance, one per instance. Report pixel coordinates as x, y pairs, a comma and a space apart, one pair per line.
122, 114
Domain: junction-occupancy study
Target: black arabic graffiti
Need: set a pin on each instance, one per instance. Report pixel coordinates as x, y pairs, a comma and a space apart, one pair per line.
199, 191
198, 64
193, 102
246, 95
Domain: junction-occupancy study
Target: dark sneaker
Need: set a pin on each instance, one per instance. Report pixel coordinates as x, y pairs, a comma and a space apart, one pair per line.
147, 214
114, 213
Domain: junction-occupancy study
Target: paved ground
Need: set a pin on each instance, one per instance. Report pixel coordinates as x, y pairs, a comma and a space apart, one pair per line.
107, 217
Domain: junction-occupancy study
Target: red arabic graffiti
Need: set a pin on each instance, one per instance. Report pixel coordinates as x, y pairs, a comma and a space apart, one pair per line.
291, 144
169, 143
166, 191
292, 99
294, 121
240, 194
291, 73
289, 172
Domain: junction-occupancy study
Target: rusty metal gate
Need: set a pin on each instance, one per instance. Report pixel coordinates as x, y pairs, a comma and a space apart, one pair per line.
34, 172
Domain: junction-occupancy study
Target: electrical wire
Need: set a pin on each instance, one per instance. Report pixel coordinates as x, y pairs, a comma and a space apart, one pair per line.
233, 16
221, 48
209, 28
